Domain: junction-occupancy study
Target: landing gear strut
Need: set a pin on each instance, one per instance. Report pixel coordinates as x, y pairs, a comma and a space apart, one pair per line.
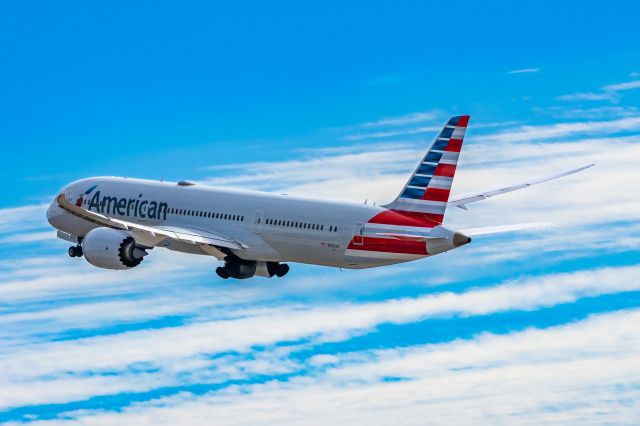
235, 267
75, 251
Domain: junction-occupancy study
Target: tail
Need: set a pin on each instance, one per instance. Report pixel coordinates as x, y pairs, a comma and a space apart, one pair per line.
427, 191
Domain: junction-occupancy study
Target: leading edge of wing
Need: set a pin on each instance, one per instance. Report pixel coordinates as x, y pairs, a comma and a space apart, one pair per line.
202, 236
472, 197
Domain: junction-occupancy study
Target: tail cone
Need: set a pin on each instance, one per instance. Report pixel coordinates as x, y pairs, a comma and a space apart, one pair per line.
460, 239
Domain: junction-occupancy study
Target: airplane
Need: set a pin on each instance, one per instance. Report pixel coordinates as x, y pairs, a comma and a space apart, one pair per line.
114, 222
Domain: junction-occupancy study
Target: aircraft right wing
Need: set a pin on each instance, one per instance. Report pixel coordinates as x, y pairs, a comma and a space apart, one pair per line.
473, 197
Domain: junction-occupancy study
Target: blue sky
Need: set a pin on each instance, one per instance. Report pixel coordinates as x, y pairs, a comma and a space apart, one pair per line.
338, 101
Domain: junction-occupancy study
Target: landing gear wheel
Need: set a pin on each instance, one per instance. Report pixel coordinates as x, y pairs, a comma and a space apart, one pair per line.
222, 272
282, 270
75, 251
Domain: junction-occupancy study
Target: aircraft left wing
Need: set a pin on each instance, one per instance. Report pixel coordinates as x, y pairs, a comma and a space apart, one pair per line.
151, 236
462, 200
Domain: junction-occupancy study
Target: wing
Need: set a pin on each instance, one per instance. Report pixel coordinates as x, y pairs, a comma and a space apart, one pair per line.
474, 232
151, 236
462, 200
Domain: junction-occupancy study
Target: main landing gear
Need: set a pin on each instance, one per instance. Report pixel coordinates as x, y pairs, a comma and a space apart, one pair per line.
75, 251
222, 272
235, 267
278, 269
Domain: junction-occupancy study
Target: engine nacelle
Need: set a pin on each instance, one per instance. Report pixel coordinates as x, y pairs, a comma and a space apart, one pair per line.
111, 249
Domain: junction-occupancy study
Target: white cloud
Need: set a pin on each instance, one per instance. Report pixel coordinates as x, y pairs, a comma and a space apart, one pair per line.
588, 96
630, 85
57, 278
69, 362
560, 130
605, 112
20, 218
412, 118
327, 169
392, 133
607, 93
524, 71
32, 237
539, 376
412, 131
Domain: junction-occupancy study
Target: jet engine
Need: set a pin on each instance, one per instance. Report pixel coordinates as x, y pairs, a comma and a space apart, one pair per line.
112, 249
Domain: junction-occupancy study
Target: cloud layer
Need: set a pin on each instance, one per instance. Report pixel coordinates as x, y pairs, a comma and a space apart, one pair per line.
534, 328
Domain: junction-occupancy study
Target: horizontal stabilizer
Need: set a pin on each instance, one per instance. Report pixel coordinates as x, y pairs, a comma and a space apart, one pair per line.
462, 200
487, 230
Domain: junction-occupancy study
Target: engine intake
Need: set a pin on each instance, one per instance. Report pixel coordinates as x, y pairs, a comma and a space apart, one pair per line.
112, 249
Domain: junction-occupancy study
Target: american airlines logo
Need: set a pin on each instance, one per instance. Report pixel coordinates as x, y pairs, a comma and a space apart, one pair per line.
137, 207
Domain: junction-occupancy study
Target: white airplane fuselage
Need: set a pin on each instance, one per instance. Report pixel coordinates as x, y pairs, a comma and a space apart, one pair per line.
276, 228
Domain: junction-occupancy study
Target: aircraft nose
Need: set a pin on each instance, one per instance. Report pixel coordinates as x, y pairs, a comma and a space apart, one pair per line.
53, 211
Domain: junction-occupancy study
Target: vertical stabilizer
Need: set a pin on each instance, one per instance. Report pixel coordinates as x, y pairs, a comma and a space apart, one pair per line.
427, 191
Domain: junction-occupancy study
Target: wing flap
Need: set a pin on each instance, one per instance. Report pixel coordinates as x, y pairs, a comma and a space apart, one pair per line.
201, 236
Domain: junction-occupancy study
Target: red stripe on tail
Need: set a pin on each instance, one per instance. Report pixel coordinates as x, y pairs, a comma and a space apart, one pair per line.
464, 121
447, 170
435, 194
454, 145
